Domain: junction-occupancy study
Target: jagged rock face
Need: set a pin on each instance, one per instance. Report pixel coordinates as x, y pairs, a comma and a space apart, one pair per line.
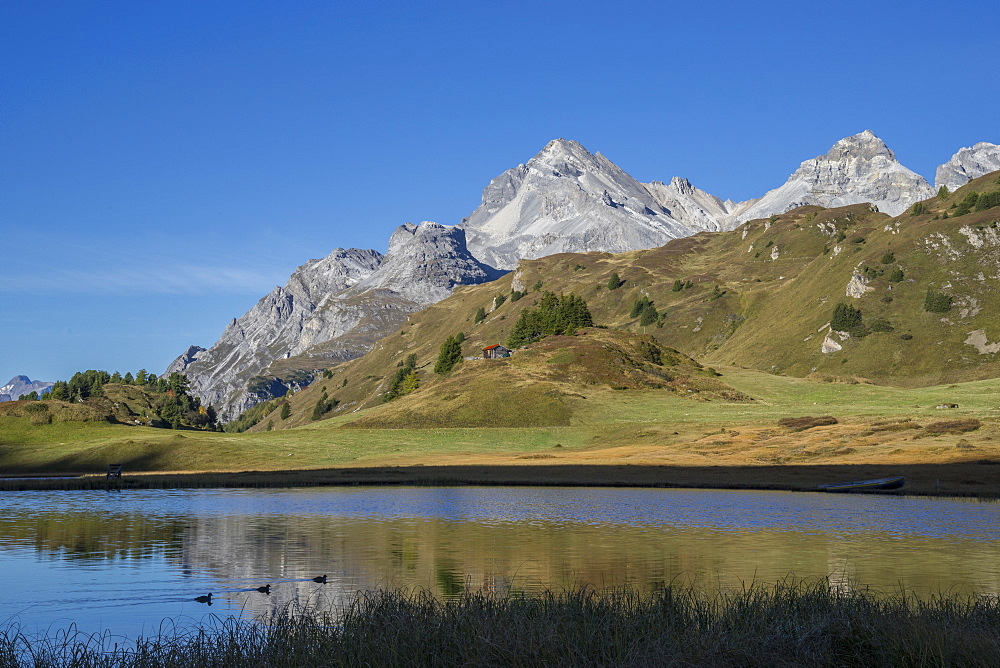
330, 311
272, 328
425, 262
857, 169
694, 207
19, 385
967, 164
566, 199
184, 360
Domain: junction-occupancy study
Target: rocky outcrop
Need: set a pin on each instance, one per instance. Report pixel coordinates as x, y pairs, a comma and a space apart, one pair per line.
566, 199
21, 385
857, 169
425, 262
968, 163
696, 208
330, 311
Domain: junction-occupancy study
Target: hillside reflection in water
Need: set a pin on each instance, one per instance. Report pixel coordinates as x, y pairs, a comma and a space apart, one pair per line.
127, 561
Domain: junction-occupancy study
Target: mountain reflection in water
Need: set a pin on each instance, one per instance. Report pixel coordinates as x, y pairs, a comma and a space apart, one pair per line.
127, 561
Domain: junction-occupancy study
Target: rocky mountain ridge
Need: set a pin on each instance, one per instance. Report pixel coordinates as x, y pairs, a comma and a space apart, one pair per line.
349, 297
20, 385
842, 295
857, 169
968, 163
564, 199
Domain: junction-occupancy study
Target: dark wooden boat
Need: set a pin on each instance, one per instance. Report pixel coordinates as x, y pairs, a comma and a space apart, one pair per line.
862, 485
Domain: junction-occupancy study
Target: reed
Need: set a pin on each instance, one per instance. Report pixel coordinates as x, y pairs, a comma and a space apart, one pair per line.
788, 624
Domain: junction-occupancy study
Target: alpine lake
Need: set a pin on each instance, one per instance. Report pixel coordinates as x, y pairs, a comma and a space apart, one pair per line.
133, 563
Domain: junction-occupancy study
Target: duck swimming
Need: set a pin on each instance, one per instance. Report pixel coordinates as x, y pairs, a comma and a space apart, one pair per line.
205, 599
320, 579
266, 589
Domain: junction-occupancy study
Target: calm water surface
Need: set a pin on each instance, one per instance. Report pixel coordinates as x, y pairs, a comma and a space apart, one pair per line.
127, 561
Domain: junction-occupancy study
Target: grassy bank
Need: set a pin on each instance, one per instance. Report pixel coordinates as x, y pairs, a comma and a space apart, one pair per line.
633, 437
783, 625
976, 478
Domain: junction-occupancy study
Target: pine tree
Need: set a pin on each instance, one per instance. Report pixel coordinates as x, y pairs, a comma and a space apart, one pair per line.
286, 410
449, 355
410, 383
648, 315
615, 281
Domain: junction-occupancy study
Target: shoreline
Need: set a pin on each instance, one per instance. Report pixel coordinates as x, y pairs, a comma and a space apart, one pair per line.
977, 479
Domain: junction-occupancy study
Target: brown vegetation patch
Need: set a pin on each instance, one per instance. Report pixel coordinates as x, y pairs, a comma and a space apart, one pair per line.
806, 422
953, 426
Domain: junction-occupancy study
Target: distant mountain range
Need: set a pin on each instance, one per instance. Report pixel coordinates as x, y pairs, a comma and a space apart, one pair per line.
21, 385
565, 199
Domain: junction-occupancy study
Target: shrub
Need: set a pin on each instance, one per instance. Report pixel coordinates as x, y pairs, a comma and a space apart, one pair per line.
896, 275
880, 325
953, 426
848, 319
937, 302
917, 209
480, 315
499, 300
888, 258
806, 422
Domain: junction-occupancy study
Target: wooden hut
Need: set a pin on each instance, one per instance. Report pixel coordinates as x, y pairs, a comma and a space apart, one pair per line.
496, 351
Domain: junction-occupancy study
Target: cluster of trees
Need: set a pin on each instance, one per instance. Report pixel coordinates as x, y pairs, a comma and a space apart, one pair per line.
405, 379
450, 354
645, 309
324, 405
849, 319
91, 383
977, 201
499, 300
937, 302
554, 314
681, 285
171, 398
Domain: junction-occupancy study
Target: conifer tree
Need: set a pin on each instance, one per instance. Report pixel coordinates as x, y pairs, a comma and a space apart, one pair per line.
449, 355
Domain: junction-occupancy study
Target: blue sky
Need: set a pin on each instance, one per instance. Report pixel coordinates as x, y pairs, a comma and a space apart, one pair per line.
164, 165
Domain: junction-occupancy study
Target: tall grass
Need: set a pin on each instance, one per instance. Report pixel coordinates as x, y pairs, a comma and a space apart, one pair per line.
789, 624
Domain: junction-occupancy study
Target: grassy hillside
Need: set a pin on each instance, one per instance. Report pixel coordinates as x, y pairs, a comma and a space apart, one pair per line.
120, 403
761, 297
757, 304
